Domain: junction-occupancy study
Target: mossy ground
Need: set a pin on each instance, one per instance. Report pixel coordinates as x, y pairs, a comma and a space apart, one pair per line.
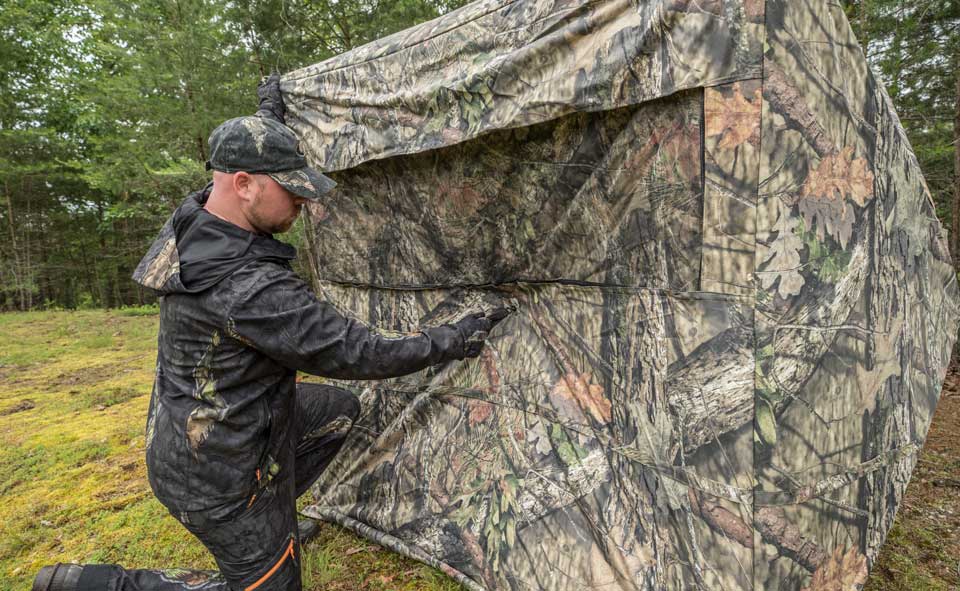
74, 388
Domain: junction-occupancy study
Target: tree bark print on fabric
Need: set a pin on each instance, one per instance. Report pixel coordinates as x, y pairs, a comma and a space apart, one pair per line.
734, 303
851, 355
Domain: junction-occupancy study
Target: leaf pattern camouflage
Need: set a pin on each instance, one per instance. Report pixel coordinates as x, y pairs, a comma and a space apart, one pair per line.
567, 202
851, 353
735, 304
497, 64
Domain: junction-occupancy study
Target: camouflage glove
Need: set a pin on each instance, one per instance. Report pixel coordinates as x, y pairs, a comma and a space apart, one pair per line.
475, 328
271, 103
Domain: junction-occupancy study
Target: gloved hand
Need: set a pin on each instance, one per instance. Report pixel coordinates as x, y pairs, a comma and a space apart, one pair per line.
271, 103
475, 328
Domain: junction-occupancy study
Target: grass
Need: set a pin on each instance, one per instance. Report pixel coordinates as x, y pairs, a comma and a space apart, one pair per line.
74, 390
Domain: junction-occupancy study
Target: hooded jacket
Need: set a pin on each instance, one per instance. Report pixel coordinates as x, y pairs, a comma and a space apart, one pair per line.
236, 323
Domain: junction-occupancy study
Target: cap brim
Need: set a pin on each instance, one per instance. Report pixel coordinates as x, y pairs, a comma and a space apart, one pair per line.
304, 182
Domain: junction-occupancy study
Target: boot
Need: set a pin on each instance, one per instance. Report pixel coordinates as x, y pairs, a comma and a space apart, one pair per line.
59, 577
307, 529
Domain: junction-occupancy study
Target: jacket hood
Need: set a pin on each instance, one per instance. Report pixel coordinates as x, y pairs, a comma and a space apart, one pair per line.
196, 250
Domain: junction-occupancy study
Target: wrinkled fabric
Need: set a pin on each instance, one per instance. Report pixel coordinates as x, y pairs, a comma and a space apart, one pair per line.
499, 64
735, 304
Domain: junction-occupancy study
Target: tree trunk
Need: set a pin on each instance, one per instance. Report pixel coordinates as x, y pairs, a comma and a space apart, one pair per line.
201, 148
250, 28
46, 289
103, 291
955, 210
15, 262
27, 274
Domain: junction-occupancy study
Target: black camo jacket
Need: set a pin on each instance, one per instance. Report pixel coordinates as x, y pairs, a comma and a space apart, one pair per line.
236, 323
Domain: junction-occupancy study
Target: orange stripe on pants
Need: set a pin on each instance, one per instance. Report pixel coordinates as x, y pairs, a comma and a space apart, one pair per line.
273, 569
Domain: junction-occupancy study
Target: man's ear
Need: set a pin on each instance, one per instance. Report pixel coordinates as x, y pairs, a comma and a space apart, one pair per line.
244, 185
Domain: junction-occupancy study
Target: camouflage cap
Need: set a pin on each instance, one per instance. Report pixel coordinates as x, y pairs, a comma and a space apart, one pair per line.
263, 146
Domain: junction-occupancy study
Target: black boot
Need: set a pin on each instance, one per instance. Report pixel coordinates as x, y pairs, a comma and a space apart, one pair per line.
59, 577
307, 529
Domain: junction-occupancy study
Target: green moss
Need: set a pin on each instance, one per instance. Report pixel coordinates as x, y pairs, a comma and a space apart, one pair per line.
25, 464
910, 548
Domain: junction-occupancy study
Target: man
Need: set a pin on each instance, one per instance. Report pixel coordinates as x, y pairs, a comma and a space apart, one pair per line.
232, 440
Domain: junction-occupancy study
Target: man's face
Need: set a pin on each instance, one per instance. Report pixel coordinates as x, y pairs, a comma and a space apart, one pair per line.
272, 209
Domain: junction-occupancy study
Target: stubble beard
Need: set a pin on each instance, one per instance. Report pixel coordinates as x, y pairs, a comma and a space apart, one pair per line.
263, 225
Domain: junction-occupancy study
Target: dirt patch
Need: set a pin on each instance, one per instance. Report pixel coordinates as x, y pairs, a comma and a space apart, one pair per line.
86, 375
21, 406
103, 399
922, 550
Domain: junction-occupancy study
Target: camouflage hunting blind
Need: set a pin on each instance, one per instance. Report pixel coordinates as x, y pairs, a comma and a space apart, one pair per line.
735, 301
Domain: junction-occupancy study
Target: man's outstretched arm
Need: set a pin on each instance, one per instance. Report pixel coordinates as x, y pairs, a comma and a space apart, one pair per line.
280, 317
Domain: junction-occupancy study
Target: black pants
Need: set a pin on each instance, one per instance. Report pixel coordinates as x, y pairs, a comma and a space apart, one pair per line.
257, 547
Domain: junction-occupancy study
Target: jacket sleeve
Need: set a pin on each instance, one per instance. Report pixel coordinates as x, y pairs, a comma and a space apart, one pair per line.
271, 100
281, 317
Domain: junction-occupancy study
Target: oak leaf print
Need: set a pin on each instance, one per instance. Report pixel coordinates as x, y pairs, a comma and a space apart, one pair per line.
734, 118
575, 396
842, 571
782, 256
824, 196
675, 150
830, 217
840, 176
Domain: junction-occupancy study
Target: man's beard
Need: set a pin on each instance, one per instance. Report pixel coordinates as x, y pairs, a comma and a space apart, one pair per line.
264, 226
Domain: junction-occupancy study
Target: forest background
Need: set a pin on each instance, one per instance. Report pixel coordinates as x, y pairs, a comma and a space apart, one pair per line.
105, 107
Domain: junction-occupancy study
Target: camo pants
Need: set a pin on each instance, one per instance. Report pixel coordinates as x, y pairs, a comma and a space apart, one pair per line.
257, 547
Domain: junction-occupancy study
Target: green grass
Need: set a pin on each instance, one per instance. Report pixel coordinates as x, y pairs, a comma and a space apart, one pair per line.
72, 473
